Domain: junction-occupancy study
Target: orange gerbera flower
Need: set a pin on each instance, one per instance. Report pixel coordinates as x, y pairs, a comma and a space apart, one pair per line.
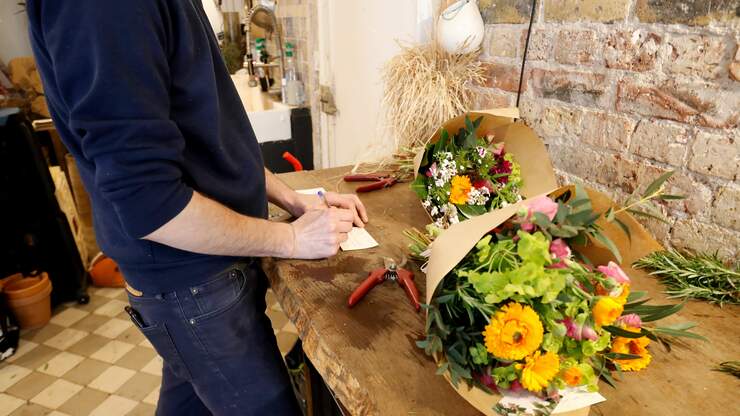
634, 346
573, 376
539, 370
515, 332
461, 187
607, 310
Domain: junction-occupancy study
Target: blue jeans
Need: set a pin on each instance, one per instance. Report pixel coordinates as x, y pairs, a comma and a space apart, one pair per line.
220, 353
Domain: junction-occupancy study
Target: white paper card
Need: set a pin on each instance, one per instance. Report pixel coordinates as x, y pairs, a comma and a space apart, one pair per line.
358, 239
571, 399
312, 191
574, 398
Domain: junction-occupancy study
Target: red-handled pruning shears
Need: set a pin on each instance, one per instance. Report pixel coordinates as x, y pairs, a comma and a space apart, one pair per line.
380, 181
391, 272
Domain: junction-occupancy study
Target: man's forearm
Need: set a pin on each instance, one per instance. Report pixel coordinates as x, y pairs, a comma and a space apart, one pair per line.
208, 227
278, 192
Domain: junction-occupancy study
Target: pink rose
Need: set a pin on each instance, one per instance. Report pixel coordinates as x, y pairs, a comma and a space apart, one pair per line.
498, 149
578, 332
615, 272
631, 319
559, 249
542, 205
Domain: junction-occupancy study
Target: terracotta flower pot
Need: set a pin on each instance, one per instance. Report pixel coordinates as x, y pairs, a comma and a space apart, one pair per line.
30, 300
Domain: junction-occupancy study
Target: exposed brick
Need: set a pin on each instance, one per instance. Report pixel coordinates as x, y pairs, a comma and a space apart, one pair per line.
700, 237
620, 173
735, 65
611, 131
698, 196
504, 77
506, 11
502, 41
697, 55
540, 45
726, 210
660, 141
583, 163
583, 47
491, 98
556, 121
689, 12
607, 11
660, 230
633, 50
583, 88
716, 154
694, 103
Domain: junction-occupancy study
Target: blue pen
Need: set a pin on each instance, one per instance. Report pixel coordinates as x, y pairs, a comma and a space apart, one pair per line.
323, 198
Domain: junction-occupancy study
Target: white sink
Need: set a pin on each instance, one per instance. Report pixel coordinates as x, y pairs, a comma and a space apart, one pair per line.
270, 119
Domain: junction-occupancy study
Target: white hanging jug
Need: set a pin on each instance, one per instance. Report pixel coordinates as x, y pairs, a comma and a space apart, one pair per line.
460, 27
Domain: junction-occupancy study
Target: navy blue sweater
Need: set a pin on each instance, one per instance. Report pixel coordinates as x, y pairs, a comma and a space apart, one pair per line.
142, 99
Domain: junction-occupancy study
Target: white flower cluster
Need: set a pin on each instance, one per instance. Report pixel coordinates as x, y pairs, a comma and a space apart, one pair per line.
445, 215
446, 170
478, 196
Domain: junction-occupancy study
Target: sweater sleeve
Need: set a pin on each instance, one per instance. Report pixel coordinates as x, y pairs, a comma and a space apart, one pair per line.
110, 60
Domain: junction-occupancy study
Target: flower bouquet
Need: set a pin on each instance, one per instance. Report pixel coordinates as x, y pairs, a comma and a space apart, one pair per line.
516, 308
477, 163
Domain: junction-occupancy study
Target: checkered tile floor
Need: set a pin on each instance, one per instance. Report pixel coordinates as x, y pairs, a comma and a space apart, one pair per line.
91, 360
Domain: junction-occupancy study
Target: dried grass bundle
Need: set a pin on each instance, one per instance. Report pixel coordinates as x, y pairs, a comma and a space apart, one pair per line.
426, 86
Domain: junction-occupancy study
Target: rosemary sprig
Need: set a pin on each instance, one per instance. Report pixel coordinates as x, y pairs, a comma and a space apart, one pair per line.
700, 276
729, 367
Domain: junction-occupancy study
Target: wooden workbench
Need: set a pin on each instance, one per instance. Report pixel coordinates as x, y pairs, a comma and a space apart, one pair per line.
368, 357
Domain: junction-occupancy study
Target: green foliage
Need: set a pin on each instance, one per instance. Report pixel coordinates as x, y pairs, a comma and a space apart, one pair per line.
700, 276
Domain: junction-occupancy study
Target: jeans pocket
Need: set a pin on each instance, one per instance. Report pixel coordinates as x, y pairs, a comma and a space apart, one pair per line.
219, 295
160, 338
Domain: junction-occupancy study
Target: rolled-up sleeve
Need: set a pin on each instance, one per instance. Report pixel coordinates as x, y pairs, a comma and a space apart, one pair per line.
110, 61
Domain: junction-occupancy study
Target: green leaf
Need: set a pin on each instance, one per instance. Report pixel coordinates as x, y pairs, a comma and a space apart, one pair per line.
477, 122
624, 228
636, 295
609, 244
656, 184
470, 211
667, 197
623, 332
678, 334
469, 125
609, 214
618, 356
660, 314
419, 187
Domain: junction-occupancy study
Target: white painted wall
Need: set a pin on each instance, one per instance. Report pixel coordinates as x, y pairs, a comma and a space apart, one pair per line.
356, 39
13, 31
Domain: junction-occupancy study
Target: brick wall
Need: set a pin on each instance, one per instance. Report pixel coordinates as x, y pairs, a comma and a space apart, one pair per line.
624, 90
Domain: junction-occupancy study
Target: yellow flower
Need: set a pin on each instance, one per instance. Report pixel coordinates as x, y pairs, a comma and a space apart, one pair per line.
514, 332
607, 310
460, 189
635, 346
539, 370
622, 298
573, 376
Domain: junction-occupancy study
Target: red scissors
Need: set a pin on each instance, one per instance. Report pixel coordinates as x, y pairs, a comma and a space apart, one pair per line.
380, 181
391, 272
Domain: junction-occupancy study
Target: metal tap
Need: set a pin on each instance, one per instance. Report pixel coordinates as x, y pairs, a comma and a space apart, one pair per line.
265, 18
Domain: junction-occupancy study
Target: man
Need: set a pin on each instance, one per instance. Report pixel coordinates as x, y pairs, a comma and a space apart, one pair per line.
142, 99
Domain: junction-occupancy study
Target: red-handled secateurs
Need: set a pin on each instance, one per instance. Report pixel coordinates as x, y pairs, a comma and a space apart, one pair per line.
380, 181
391, 272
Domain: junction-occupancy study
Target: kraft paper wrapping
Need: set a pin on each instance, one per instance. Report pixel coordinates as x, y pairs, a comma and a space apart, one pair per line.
528, 150
455, 243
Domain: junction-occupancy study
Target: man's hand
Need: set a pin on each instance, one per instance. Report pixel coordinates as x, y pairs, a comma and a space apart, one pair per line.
303, 203
318, 233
